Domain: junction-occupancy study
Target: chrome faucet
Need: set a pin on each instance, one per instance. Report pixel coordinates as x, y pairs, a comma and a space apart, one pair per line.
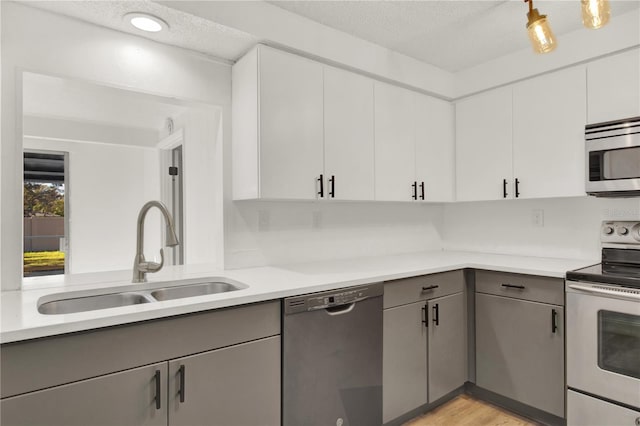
140, 265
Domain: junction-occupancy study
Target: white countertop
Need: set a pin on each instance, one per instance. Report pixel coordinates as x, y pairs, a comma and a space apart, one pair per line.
21, 319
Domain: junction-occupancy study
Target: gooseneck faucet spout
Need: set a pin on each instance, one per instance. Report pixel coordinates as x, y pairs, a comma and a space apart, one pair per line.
140, 265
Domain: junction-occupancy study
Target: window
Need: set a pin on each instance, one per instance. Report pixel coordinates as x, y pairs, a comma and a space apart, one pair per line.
44, 218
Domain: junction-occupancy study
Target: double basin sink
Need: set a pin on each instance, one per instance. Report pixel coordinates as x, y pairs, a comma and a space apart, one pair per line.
178, 290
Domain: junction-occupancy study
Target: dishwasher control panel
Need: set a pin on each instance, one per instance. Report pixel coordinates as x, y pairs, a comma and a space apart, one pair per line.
329, 299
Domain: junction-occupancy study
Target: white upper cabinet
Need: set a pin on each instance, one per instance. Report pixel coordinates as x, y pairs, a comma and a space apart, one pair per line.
613, 84
394, 143
277, 126
348, 136
484, 146
414, 146
291, 157
434, 148
549, 115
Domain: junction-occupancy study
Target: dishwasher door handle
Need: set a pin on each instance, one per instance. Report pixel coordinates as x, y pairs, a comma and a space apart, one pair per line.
342, 309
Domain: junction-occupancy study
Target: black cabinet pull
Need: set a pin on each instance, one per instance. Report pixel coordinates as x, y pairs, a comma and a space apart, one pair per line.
554, 320
422, 191
504, 188
424, 316
517, 187
321, 180
519, 287
431, 287
436, 314
332, 181
158, 395
414, 185
181, 389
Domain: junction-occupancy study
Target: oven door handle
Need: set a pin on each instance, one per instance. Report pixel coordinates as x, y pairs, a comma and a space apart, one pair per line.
621, 294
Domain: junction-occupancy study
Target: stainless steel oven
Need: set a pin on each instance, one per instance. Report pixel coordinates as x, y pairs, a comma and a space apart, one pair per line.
613, 158
603, 332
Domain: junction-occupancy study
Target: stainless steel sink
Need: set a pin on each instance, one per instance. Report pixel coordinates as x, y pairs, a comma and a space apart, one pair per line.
72, 303
91, 303
200, 289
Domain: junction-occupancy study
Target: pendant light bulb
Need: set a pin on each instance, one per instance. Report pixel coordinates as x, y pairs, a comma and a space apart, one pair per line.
540, 34
595, 13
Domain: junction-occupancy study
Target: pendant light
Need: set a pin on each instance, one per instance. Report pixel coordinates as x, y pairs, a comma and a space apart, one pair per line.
595, 13
540, 34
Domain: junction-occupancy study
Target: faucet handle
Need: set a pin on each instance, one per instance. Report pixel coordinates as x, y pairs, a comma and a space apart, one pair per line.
155, 267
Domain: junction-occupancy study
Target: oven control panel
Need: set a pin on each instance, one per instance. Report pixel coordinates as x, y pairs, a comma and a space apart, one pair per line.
620, 232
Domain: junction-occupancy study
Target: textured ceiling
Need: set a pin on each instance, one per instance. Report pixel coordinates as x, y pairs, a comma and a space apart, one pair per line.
54, 97
185, 30
452, 35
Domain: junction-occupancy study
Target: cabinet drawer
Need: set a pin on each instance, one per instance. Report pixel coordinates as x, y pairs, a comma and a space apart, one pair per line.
424, 287
518, 286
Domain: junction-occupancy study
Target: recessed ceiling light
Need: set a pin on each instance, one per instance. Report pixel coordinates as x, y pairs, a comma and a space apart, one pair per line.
146, 22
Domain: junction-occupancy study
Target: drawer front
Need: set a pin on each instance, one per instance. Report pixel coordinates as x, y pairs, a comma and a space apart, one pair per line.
424, 287
518, 286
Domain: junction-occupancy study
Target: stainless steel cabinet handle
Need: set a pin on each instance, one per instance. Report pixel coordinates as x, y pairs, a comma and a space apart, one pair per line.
554, 320
181, 390
158, 396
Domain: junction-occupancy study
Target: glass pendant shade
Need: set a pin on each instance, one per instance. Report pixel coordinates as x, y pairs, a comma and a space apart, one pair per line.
540, 34
595, 13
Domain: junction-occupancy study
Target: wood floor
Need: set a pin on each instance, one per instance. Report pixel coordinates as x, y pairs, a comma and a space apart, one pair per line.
467, 411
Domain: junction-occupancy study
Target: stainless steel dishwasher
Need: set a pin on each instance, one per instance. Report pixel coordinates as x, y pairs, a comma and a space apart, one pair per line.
332, 358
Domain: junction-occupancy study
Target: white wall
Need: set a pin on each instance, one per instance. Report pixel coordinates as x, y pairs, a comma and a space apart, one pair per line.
571, 225
46, 43
262, 232
106, 186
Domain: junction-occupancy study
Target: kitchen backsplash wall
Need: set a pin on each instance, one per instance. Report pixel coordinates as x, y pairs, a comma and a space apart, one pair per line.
570, 226
263, 233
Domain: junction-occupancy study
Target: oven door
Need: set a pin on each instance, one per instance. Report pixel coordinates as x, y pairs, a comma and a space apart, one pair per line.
603, 341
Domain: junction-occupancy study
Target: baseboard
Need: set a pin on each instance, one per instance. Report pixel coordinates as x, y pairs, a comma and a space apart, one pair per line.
425, 408
516, 407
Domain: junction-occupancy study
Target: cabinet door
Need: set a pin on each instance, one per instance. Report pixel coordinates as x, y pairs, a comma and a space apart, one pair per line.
348, 135
434, 140
394, 143
404, 360
518, 354
237, 385
291, 152
447, 345
125, 398
549, 115
613, 87
483, 146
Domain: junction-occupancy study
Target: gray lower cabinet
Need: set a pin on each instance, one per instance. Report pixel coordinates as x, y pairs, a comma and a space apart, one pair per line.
215, 368
404, 360
447, 352
520, 350
237, 385
424, 342
125, 398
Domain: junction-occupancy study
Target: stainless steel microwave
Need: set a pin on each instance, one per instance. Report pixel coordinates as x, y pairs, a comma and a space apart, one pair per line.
613, 158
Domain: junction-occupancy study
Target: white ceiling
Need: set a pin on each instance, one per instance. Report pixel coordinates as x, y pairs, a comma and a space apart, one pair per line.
185, 30
452, 35
53, 97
